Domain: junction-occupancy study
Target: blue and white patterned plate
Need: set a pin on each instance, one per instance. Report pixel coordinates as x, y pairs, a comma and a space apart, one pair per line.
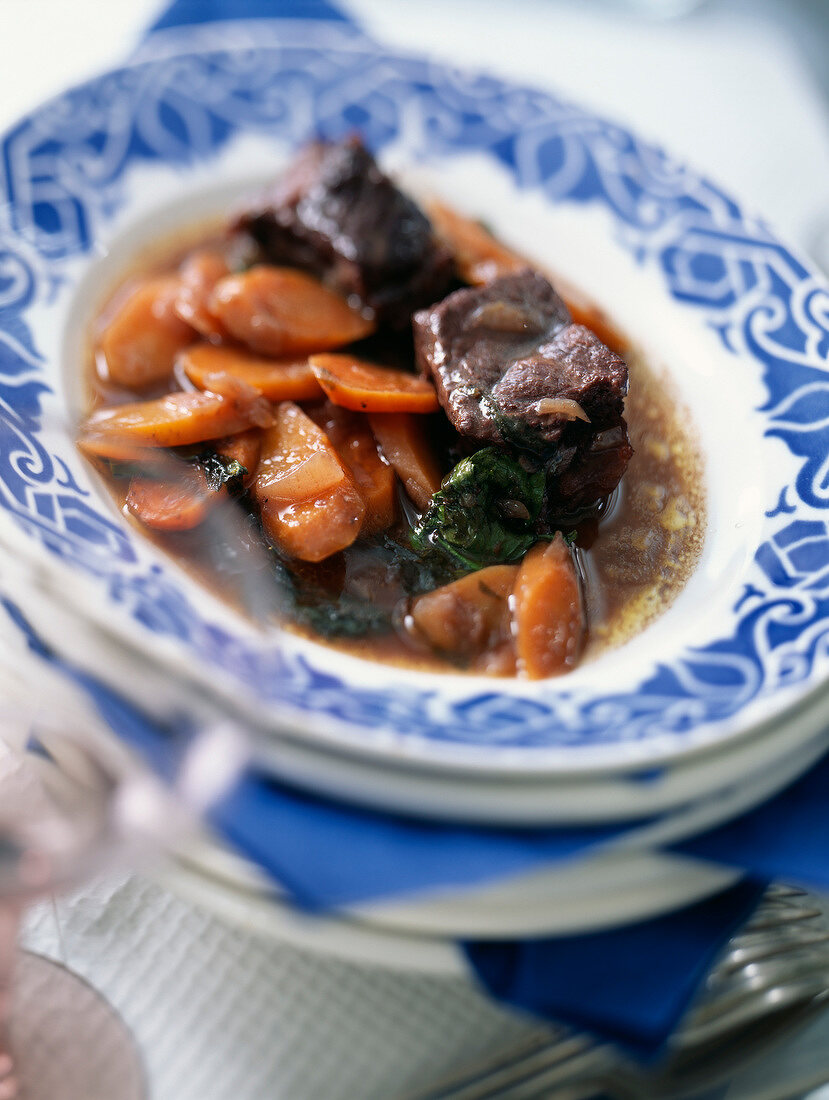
739, 322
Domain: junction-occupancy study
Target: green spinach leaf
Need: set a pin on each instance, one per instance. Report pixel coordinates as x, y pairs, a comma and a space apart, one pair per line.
221, 471
485, 512
311, 605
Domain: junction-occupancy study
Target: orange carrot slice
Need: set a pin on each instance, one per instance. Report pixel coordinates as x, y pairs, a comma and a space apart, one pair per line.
308, 501
549, 622
479, 257
243, 448
350, 434
282, 311
178, 504
278, 380
364, 387
140, 343
313, 530
118, 450
467, 617
405, 446
198, 276
176, 420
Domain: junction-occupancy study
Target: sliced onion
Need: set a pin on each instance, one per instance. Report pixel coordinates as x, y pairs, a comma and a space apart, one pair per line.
257, 407
312, 477
503, 316
561, 406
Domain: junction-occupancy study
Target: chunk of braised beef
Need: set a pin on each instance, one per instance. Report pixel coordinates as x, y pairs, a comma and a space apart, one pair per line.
573, 377
511, 368
468, 341
337, 215
592, 471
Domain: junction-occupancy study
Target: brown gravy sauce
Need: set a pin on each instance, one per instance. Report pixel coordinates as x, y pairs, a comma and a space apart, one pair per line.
633, 561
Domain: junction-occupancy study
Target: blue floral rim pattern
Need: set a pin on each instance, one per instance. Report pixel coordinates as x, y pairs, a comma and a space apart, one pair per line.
63, 178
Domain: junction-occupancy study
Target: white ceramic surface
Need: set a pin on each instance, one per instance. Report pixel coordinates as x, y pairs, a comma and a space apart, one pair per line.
650, 241
693, 793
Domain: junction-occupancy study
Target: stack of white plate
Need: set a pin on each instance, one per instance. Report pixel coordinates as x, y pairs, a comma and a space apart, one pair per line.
716, 705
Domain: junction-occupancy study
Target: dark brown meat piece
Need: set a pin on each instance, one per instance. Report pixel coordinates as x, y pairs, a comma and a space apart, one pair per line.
337, 215
589, 470
511, 368
573, 367
468, 341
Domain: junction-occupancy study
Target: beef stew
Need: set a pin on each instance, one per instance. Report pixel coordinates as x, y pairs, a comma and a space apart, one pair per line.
444, 463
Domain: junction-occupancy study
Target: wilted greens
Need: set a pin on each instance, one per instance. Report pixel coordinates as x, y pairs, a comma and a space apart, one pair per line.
221, 471
485, 512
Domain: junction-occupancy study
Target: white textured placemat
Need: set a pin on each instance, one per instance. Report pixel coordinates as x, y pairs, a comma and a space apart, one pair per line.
220, 1014
223, 1015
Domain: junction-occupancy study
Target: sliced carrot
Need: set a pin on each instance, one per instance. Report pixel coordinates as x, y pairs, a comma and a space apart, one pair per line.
350, 434
177, 504
549, 624
309, 503
244, 448
141, 342
278, 380
479, 257
469, 616
124, 451
244, 396
198, 275
404, 444
282, 311
313, 530
176, 420
364, 387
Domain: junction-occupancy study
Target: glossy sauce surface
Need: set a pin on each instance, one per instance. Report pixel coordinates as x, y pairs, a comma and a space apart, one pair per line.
634, 557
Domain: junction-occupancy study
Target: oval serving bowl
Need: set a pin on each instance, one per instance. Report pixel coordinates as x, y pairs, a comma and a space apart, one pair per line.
740, 324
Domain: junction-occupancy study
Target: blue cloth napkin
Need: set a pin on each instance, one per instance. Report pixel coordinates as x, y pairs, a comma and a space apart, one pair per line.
630, 984
331, 855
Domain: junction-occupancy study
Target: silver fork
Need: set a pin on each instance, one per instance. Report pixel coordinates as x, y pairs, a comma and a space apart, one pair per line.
772, 972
